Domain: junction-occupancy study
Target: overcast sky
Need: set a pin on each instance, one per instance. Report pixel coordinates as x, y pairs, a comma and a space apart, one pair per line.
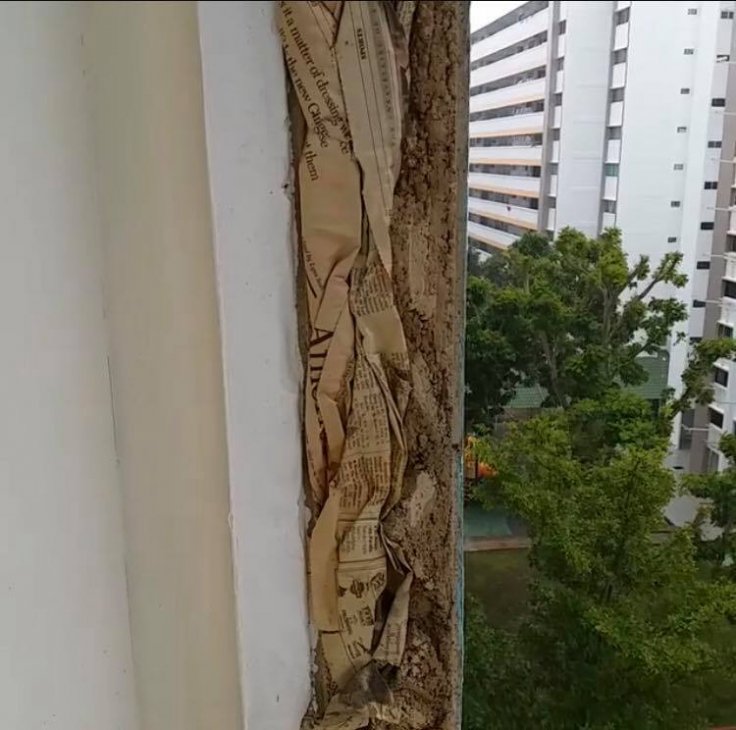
484, 11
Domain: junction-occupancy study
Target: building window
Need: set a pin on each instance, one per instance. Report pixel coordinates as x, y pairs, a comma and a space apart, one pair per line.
610, 169
702, 265
720, 376
671, 239
622, 16
689, 51
562, 27
555, 135
684, 90
715, 417
695, 340
729, 289
722, 57
551, 201
675, 203
560, 64
711, 460
553, 167
614, 133
557, 99
724, 330
686, 428
621, 55
678, 166
681, 130
692, 11
714, 144
727, 14
720, 101
710, 185
706, 225
616, 95
609, 206
698, 304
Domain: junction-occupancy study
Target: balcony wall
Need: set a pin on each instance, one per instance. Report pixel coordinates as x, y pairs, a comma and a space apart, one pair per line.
510, 184
515, 33
515, 94
524, 61
506, 155
491, 236
621, 36
505, 126
514, 214
618, 76
616, 114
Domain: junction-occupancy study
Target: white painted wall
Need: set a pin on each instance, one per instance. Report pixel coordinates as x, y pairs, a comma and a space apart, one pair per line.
654, 108
166, 361
584, 109
65, 654
106, 200
249, 160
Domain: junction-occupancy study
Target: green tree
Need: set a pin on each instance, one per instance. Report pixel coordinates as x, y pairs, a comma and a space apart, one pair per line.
624, 628
620, 629
719, 489
570, 315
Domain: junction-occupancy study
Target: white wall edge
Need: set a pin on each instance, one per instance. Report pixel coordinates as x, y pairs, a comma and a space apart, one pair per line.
249, 167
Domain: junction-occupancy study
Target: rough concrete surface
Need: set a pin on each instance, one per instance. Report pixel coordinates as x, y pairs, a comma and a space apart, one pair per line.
428, 235
429, 248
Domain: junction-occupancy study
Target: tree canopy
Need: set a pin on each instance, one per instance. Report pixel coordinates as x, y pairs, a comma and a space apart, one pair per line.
570, 315
624, 628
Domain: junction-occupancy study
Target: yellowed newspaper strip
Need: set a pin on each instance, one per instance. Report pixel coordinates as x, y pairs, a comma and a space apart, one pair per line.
345, 63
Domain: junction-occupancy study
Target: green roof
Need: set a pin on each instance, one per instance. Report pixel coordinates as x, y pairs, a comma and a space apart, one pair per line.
656, 367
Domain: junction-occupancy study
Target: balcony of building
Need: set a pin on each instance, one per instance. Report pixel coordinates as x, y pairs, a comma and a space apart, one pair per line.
518, 93
505, 184
512, 214
514, 124
490, 236
613, 150
531, 156
730, 270
524, 61
616, 114
610, 187
618, 76
621, 37
516, 33
728, 312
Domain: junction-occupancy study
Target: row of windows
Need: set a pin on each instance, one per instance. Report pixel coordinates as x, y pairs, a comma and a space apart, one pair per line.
622, 16
497, 225
506, 81
521, 202
620, 56
725, 14
508, 111
526, 11
509, 51
501, 169
518, 140
720, 376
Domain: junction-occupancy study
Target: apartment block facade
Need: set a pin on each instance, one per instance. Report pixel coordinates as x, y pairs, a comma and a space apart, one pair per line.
604, 114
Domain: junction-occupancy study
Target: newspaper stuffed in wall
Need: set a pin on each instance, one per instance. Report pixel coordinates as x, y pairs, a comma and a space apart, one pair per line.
348, 66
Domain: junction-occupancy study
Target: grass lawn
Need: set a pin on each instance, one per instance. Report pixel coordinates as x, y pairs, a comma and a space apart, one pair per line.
499, 579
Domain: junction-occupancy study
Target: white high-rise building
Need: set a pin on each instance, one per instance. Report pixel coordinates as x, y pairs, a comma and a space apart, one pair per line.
604, 114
